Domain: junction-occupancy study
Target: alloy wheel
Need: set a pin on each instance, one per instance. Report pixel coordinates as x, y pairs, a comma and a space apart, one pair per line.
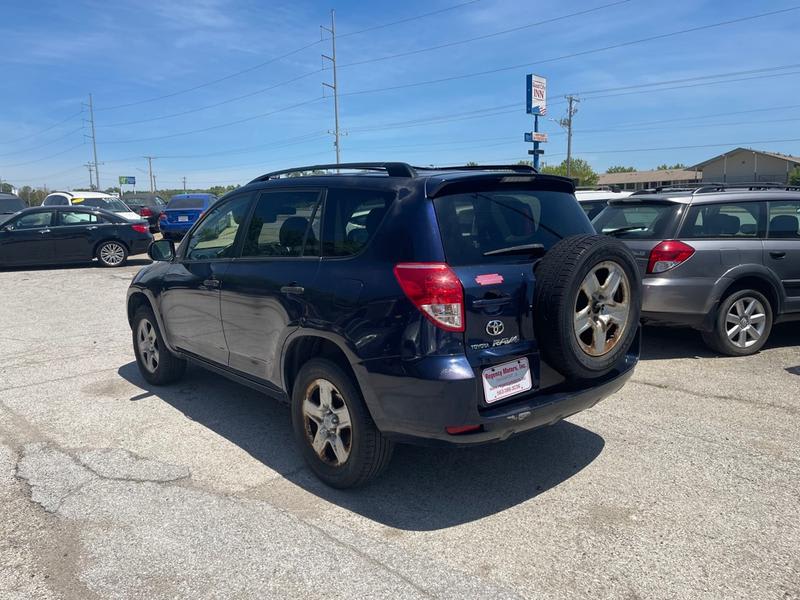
147, 341
602, 308
745, 322
327, 422
112, 254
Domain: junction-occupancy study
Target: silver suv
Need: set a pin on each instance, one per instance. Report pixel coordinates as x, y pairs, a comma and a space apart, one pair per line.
722, 259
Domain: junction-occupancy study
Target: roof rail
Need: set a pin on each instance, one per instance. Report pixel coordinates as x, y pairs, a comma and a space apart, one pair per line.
747, 185
661, 190
514, 168
392, 169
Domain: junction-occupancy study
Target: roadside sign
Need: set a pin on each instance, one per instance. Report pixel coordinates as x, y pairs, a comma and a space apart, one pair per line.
127, 180
536, 136
537, 95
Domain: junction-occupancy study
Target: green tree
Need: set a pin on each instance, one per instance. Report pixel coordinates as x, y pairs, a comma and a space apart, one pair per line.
472, 163
581, 170
666, 167
6, 187
794, 176
620, 169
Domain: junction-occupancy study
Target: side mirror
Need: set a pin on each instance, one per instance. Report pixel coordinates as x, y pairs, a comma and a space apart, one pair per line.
161, 250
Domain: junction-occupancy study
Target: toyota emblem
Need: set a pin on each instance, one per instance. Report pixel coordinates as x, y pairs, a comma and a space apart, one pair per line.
495, 327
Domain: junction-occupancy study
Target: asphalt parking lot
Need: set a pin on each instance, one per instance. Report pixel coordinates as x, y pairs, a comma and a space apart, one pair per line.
686, 484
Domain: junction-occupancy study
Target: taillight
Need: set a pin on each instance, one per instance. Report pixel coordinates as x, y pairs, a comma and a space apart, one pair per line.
146, 212
141, 228
668, 255
162, 216
435, 290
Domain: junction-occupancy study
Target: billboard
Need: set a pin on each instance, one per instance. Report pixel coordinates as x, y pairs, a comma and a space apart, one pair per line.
127, 180
537, 95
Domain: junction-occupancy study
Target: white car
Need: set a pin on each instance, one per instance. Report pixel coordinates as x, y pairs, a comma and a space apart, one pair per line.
95, 199
593, 201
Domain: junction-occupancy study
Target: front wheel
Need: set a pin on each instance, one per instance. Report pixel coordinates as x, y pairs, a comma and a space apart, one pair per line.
112, 254
156, 363
742, 325
334, 429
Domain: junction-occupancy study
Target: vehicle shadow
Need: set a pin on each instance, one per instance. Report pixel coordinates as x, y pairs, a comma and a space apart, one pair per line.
140, 261
659, 343
423, 489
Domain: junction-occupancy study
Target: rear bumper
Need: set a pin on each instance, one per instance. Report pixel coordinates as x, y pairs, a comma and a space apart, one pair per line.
415, 403
140, 246
670, 300
172, 230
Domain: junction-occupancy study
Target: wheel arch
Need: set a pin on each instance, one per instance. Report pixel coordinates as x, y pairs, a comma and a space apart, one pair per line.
759, 279
138, 297
304, 346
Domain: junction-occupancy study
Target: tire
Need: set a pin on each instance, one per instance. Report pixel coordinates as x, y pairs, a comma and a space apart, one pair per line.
167, 368
362, 452
112, 253
582, 335
728, 337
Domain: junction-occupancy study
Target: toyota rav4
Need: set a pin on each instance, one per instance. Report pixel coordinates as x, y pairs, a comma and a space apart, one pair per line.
392, 303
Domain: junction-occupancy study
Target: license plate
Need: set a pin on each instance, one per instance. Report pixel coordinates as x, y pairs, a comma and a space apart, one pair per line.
506, 380
183, 218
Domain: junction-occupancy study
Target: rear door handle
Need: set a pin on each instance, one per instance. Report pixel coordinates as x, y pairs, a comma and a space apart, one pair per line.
43, 231
778, 255
91, 227
292, 289
211, 283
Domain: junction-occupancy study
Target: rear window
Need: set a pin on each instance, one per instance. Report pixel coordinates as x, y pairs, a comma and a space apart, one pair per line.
637, 220
473, 224
11, 205
111, 204
186, 203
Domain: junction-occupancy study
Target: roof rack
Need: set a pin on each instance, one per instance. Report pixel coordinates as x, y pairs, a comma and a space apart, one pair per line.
392, 169
514, 168
745, 185
661, 190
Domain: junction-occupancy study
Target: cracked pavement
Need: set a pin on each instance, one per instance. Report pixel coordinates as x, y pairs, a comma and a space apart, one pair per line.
685, 484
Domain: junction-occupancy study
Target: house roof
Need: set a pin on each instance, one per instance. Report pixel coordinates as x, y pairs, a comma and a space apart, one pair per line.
793, 159
649, 176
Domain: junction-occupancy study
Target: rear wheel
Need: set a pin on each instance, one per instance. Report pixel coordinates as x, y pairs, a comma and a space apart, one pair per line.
742, 325
333, 427
587, 305
156, 363
112, 254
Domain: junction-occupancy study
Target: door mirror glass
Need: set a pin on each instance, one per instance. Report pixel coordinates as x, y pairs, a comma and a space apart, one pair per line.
161, 250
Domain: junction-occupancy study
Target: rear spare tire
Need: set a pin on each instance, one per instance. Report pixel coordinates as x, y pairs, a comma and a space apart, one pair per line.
586, 305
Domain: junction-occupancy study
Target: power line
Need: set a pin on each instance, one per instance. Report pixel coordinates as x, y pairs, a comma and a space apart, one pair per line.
30, 162
691, 147
278, 58
219, 126
216, 104
571, 55
485, 36
66, 135
45, 130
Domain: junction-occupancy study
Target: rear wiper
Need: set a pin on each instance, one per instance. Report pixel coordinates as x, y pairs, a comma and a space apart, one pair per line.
530, 249
624, 229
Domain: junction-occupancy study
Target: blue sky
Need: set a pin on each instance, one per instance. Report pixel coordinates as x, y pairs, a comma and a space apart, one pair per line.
128, 53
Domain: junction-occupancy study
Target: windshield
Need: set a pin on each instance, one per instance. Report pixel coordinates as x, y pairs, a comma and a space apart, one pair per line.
111, 204
11, 205
186, 203
637, 220
474, 224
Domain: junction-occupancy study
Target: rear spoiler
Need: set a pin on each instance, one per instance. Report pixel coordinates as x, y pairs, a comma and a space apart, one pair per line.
484, 182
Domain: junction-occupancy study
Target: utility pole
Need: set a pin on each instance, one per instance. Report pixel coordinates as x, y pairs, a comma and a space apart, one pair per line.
94, 142
335, 86
90, 166
184, 185
155, 187
150, 171
567, 122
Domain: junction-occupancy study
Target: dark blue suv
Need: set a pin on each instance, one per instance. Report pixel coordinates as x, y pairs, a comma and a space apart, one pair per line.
390, 303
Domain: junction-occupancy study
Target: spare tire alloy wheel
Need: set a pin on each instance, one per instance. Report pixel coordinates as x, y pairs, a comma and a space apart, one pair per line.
602, 308
327, 422
586, 305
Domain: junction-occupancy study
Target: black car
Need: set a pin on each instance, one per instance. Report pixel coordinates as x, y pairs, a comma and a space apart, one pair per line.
395, 303
149, 207
10, 203
70, 234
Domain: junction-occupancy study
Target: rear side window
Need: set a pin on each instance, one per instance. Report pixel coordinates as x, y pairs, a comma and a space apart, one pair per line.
351, 219
69, 217
637, 220
186, 203
473, 224
733, 220
284, 223
784, 220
